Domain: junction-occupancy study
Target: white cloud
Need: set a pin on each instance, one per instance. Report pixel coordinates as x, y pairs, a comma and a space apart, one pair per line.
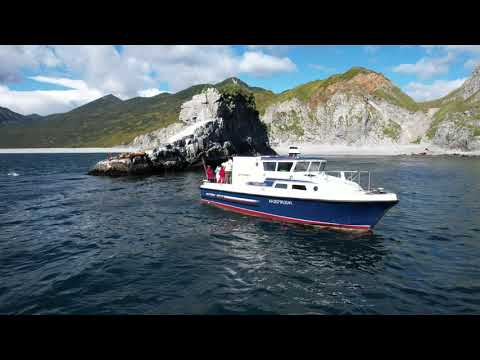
14, 58
46, 102
266, 47
134, 69
183, 65
271, 49
103, 68
427, 68
475, 49
149, 92
69, 83
435, 90
261, 64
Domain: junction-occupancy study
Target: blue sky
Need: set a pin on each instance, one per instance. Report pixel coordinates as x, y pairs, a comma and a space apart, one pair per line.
49, 79
318, 62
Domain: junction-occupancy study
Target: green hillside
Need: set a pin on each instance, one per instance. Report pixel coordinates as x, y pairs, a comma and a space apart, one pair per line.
456, 107
107, 121
464, 114
8, 116
316, 90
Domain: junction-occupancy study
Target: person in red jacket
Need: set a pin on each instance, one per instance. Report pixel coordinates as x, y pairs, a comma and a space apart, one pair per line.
222, 175
210, 174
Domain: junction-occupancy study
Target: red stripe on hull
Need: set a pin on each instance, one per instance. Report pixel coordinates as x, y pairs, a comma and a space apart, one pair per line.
284, 218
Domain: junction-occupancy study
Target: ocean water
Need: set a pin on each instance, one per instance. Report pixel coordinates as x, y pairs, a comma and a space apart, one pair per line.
76, 244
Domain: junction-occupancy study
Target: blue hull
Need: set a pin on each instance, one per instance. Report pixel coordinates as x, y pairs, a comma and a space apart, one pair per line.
350, 215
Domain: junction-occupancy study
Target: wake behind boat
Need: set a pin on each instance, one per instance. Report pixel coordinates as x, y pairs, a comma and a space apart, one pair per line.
298, 189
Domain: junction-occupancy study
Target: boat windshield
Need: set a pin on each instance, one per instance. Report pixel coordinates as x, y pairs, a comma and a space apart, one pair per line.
314, 166
269, 166
301, 166
317, 166
284, 166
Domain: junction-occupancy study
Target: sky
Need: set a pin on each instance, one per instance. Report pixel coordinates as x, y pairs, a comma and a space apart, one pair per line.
46, 79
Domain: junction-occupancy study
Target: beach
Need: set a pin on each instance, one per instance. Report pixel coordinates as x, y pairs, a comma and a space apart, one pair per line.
380, 150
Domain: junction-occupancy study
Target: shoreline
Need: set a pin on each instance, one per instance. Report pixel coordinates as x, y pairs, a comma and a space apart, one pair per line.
380, 150
282, 149
67, 150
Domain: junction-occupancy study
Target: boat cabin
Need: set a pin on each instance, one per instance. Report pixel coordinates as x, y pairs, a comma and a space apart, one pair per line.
258, 169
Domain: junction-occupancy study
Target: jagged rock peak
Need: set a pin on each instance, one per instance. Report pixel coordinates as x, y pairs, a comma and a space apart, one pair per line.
476, 71
366, 79
471, 85
201, 107
109, 97
234, 81
214, 125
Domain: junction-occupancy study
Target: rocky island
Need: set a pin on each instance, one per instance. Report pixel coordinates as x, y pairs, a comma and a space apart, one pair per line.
214, 125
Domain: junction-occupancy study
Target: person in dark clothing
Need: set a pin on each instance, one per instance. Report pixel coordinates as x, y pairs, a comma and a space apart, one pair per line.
210, 174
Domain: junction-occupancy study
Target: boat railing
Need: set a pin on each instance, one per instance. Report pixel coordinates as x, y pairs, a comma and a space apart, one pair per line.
351, 175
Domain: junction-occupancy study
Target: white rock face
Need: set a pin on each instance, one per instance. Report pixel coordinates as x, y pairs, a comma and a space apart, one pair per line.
195, 113
156, 138
345, 119
451, 136
202, 107
471, 85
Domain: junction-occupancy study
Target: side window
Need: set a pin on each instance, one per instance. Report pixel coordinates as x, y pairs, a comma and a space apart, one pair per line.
299, 187
322, 167
284, 166
301, 166
269, 166
314, 167
281, 186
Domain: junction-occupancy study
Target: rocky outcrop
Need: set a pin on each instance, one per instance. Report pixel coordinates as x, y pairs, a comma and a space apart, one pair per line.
157, 138
199, 110
456, 125
452, 135
363, 108
471, 85
348, 116
215, 125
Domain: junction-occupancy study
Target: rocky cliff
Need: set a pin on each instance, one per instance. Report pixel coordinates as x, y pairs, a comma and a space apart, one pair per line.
359, 107
214, 125
201, 109
362, 107
456, 122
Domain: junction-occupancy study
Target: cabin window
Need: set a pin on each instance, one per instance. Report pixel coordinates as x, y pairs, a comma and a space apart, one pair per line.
301, 166
269, 166
281, 186
315, 166
322, 166
299, 187
315, 188
284, 166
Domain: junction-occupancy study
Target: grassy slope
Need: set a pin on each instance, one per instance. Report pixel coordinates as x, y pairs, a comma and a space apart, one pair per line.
107, 121
455, 106
110, 121
452, 107
306, 91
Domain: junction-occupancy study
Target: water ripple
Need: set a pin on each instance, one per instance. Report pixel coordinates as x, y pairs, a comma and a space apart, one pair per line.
71, 243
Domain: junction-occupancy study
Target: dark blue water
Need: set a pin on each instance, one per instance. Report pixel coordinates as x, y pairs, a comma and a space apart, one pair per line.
76, 244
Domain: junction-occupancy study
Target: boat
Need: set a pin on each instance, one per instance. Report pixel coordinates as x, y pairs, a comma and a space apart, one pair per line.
299, 189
